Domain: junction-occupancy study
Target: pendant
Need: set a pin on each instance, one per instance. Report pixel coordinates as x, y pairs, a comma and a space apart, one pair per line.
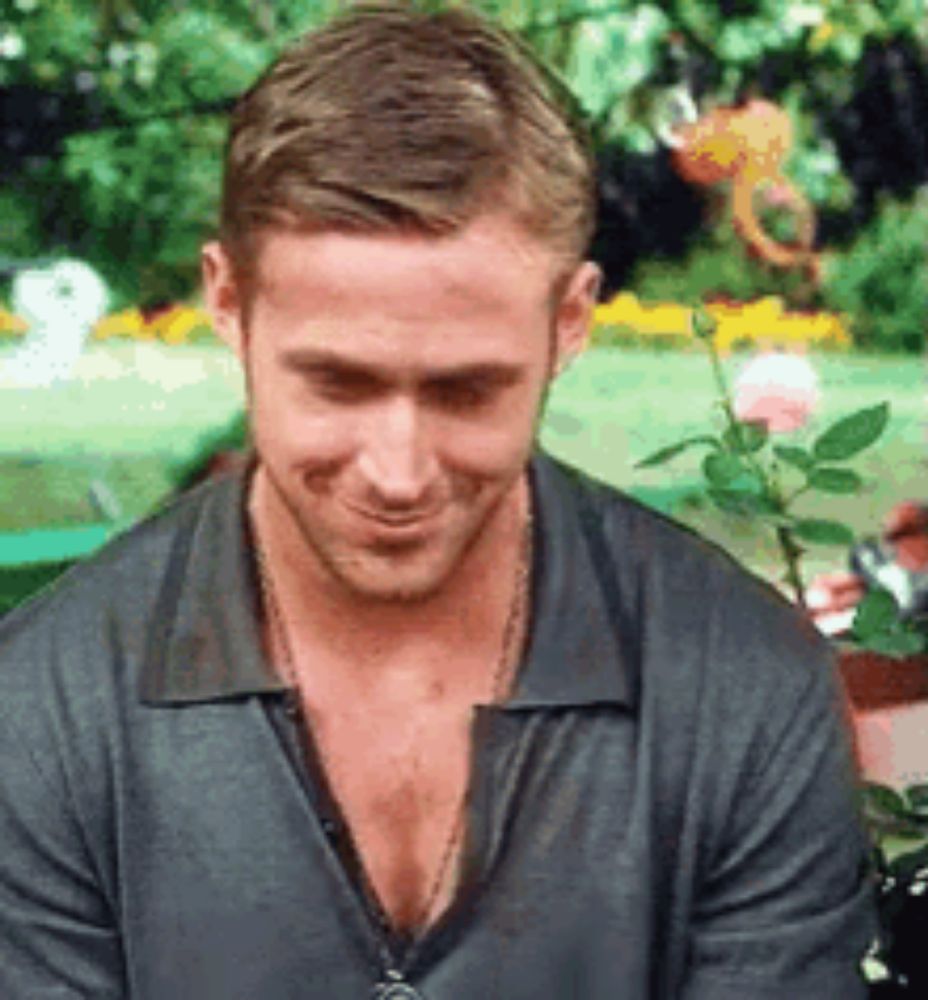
395, 990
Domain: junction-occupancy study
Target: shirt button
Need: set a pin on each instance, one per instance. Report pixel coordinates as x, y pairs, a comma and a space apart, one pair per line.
330, 828
292, 705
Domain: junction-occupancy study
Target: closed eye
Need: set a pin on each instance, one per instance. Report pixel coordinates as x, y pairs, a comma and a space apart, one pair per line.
343, 386
341, 381
467, 392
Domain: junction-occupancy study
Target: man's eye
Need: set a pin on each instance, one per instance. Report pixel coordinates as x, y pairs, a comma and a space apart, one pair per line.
339, 388
462, 395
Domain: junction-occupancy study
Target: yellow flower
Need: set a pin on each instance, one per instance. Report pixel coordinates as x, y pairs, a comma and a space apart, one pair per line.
762, 321
11, 323
174, 325
821, 36
127, 323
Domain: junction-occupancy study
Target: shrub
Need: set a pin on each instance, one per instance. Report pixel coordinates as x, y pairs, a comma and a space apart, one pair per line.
881, 280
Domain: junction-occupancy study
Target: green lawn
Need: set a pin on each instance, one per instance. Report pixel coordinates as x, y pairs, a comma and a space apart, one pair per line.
111, 432
69, 455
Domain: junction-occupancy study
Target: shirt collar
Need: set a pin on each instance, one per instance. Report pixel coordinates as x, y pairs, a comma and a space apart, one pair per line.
208, 647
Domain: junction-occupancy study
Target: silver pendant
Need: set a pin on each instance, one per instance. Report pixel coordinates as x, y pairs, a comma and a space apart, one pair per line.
397, 990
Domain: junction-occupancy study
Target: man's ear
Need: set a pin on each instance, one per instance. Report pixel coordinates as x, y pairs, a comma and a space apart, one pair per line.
223, 296
573, 316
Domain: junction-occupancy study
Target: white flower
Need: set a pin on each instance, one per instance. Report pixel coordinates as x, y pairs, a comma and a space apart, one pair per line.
70, 293
119, 54
12, 45
804, 15
780, 390
60, 303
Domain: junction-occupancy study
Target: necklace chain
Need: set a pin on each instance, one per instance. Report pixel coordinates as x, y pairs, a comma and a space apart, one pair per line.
513, 630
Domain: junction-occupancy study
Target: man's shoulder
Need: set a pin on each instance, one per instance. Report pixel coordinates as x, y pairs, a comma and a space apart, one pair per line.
690, 597
639, 539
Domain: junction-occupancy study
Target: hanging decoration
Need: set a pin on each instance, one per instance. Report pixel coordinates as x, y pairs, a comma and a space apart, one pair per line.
747, 144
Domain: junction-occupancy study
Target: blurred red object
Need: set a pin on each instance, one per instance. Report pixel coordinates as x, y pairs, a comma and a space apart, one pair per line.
747, 144
906, 529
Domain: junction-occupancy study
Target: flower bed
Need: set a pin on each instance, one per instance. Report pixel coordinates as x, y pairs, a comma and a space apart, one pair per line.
174, 324
627, 320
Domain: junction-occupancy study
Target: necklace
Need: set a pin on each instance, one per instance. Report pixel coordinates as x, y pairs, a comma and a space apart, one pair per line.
393, 985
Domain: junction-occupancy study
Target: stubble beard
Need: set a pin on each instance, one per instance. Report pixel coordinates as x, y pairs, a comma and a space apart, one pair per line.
376, 575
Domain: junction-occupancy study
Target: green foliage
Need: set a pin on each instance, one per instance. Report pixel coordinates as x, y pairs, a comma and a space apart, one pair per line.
878, 626
896, 813
671, 451
850, 435
881, 280
833, 480
822, 531
746, 475
111, 173
137, 198
717, 266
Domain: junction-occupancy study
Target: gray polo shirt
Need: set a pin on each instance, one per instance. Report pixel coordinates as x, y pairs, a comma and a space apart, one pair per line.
662, 809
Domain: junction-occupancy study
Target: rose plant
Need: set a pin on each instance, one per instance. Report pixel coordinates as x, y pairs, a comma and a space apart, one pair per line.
747, 474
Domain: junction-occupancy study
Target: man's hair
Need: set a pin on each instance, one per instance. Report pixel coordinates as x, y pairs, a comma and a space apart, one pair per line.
390, 118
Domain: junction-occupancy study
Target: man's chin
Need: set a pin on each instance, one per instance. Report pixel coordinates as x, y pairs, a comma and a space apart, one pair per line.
390, 575
385, 586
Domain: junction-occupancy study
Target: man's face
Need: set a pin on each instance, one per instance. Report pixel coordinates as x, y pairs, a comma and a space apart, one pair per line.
394, 386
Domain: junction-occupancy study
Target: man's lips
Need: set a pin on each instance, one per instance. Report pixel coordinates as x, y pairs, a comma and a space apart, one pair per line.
394, 522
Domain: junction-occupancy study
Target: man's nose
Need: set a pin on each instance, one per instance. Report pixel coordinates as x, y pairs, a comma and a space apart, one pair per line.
397, 459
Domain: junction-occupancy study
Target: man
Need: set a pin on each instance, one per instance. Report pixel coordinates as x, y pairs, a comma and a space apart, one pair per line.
410, 709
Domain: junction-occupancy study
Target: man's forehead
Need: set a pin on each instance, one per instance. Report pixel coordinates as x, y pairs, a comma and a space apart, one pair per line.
280, 254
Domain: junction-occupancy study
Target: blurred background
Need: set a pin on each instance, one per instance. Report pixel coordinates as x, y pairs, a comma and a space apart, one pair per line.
766, 158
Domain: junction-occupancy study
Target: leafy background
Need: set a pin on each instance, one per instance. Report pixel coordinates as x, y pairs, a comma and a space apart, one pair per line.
114, 129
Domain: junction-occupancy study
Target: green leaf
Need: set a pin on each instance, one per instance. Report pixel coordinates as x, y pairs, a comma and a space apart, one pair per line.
897, 642
703, 323
904, 866
831, 480
823, 532
727, 502
746, 437
851, 434
671, 451
733, 501
877, 612
917, 798
799, 458
722, 468
881, 800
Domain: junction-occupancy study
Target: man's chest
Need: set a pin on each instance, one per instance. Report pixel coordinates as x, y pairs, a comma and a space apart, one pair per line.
220, 847
399, 780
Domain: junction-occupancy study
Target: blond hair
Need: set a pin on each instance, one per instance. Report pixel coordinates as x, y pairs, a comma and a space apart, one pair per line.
390, 118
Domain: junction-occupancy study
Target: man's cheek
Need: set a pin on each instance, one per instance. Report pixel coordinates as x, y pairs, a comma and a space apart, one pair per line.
310, 435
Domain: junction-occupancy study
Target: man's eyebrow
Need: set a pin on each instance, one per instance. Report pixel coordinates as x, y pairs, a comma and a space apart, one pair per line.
314, 360
309, 359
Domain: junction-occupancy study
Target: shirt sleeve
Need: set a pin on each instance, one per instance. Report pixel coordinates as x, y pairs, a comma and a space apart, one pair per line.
57, 935
786, 907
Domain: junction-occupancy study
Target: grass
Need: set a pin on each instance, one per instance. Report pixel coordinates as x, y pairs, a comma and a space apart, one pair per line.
103, 444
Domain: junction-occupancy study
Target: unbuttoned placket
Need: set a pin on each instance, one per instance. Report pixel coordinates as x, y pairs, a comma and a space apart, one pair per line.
408, 957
